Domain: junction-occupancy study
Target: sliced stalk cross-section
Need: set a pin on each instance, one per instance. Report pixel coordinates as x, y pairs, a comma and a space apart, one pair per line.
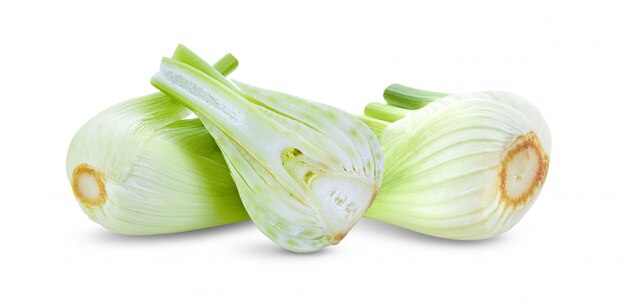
306, 172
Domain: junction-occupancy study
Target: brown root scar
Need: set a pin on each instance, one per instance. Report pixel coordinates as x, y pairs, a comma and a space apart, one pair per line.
88, 185
337, 238
526, 150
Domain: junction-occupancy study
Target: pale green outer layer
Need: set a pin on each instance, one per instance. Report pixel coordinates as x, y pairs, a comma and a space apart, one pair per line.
441, 165
306, 172
162, 174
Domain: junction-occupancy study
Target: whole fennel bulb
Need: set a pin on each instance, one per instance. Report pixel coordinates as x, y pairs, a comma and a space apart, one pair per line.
138, 168
465, 166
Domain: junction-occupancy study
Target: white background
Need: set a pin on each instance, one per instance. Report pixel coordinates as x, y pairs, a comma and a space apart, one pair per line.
65, 61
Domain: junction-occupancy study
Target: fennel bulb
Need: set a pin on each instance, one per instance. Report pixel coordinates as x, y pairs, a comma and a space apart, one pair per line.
138, 169
306, 172
464, 166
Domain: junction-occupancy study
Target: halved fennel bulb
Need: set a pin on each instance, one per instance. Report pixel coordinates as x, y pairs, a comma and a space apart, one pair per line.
306, 172
138, 169
464, 166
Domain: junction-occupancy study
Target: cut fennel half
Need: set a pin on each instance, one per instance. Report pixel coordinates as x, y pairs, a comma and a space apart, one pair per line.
306, 172
138, 169
464, 166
